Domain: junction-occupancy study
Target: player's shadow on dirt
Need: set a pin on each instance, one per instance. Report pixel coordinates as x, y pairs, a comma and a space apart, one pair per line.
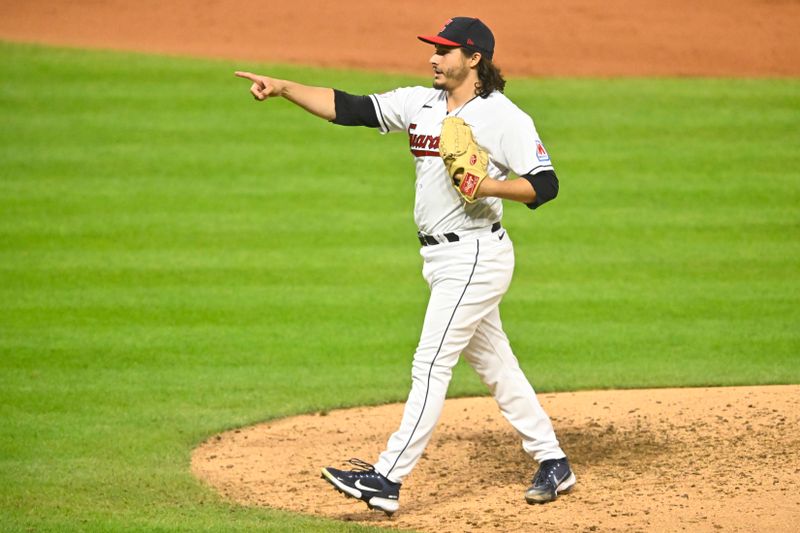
497, 458
597, 445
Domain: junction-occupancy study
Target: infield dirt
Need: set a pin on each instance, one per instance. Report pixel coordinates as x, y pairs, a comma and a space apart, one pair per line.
720, 459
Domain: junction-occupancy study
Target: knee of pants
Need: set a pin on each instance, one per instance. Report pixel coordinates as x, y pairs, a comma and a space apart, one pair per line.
491, 381
437, 353
492, 375
434, 368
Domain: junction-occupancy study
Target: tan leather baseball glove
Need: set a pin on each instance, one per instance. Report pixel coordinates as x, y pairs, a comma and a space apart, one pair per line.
466, 162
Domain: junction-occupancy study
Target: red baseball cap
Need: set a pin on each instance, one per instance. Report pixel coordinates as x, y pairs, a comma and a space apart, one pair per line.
466, 32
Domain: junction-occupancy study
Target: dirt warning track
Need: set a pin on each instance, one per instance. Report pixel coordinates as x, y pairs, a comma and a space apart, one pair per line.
540, 37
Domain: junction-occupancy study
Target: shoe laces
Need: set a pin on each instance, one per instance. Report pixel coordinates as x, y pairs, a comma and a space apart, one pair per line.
361, 466
546, 472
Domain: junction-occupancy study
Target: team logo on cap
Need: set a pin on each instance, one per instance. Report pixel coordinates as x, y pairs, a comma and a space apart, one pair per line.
473, 159
541, 153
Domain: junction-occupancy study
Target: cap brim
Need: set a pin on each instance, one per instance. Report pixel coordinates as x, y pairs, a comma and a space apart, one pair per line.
435, 39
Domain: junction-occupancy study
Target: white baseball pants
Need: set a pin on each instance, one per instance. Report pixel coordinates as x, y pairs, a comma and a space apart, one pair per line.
467, 278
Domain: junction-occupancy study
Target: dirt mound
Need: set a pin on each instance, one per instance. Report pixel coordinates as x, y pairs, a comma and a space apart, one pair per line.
646, 460
543, 37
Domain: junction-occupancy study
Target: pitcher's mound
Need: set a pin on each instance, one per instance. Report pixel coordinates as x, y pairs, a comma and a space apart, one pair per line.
716, 459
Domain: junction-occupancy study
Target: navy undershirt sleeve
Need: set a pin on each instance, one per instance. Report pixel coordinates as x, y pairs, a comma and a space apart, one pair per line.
352, 110
545, 183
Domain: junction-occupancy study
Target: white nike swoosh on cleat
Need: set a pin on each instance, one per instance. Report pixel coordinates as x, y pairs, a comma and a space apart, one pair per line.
341, 486
567, 483
364, 487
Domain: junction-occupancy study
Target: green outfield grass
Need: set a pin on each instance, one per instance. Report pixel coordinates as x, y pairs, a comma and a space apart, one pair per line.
177, 259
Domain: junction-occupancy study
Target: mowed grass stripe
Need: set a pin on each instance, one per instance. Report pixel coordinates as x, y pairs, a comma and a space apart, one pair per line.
177, 259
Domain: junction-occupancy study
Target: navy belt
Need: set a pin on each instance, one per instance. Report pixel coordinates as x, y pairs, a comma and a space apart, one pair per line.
430, 240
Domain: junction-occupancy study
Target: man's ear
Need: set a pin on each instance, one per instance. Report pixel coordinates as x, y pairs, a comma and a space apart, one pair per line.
475, 59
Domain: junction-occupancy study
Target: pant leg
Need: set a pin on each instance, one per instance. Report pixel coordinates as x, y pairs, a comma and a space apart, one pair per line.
490, 354
466, 283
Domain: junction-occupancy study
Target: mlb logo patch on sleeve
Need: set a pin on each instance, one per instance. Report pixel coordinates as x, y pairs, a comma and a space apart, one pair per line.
541, 153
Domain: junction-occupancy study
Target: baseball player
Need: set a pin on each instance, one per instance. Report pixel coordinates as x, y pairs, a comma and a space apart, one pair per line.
472, 148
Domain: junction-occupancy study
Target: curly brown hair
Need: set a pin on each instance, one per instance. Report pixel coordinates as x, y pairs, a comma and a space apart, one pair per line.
490, 78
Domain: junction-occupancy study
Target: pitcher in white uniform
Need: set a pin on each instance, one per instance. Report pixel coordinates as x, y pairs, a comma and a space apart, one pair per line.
468, 258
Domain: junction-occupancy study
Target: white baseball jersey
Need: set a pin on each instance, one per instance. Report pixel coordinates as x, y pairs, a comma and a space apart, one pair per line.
502, 129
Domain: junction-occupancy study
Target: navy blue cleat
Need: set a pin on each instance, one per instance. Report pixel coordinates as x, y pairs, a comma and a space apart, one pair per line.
365, 484
553, 477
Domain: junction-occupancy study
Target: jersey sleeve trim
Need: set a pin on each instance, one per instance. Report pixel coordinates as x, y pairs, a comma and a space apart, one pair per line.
537, 169
383, 126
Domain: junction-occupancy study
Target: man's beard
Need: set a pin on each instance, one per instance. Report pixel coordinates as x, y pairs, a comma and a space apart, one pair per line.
454, 74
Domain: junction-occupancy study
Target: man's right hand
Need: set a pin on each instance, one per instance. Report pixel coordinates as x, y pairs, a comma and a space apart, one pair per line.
318, 101
263, 87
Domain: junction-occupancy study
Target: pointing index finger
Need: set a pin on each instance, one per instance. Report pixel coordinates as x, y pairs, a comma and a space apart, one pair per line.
249, 76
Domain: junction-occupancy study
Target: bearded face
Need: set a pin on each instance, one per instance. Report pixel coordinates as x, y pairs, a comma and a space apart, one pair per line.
450, 68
